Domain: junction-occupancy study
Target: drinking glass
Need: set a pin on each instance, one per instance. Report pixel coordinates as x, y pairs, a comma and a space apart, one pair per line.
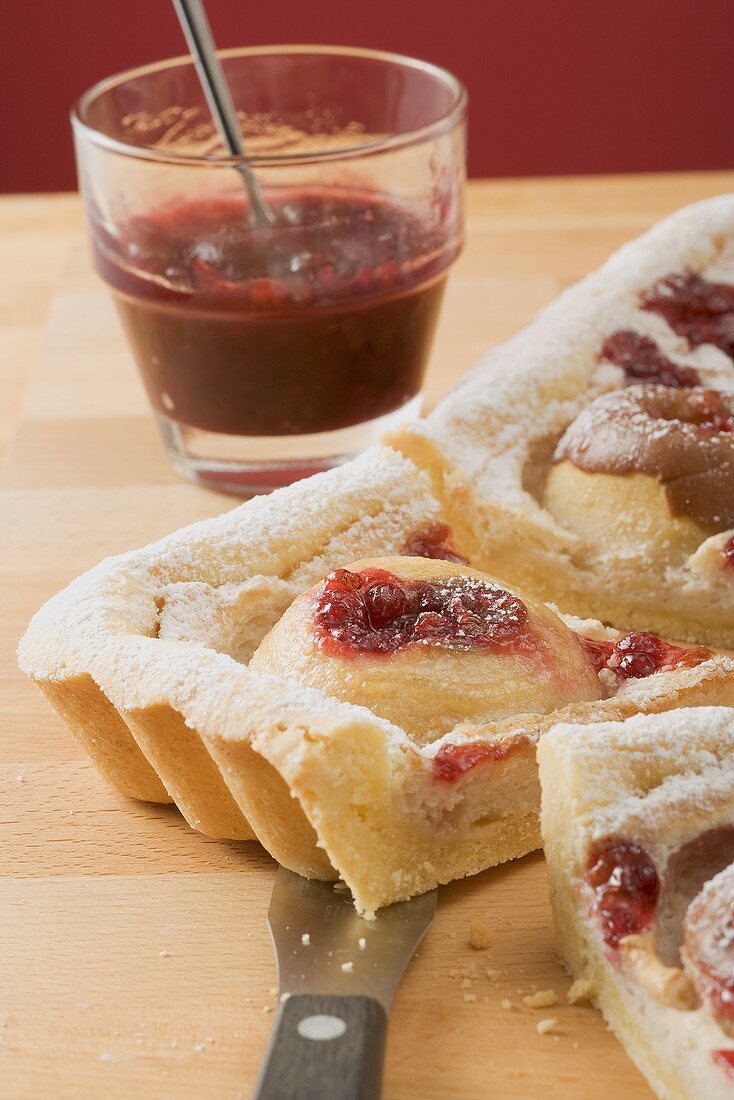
271, 352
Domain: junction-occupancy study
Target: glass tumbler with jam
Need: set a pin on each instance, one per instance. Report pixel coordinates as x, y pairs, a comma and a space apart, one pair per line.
272, 352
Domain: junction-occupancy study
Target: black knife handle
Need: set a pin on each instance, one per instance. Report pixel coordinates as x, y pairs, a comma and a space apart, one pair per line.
325, 1047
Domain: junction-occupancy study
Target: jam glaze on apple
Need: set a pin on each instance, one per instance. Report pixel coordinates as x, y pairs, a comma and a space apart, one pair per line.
641, 654
321, 322
375, 612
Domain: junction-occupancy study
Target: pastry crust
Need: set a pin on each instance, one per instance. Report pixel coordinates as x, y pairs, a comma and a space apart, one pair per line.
660, 782
489, 445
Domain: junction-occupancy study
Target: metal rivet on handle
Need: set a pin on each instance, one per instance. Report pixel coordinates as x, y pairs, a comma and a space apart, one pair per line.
321, 1027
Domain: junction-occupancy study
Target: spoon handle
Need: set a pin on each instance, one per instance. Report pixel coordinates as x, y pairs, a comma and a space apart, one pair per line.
197, 31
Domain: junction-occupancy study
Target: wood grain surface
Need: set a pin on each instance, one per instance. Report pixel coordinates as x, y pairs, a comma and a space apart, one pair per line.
134, 953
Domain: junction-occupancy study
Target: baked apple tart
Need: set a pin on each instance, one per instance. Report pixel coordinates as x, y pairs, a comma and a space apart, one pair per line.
331, 670
590, 459
638, 827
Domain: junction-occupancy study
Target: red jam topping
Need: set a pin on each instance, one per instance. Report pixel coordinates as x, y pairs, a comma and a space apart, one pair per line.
642, 361
433, 541
641, 654
728, 553
451, 762
626, 885
725, 1059
701, 311
376, 612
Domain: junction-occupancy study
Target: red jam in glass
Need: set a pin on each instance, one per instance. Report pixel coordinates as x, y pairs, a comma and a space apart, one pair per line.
321, 322
375, 612
626, 888
642, 361
433, 541
451, 762
641, 654
701, 311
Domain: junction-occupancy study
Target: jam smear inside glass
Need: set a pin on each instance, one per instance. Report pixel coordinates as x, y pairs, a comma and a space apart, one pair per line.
626, 887
642, 361
318, 323
374, 611
640, 654
694, 307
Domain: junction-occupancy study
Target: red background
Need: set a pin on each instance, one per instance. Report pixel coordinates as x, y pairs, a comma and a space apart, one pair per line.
555, 86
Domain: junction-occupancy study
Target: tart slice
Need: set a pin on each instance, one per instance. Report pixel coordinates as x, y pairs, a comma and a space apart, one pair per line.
401, 701
638, 827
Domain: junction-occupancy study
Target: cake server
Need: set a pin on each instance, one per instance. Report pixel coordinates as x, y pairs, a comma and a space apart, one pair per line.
338, 975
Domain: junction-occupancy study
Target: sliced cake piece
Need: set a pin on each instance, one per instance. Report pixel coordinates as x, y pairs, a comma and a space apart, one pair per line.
638, 828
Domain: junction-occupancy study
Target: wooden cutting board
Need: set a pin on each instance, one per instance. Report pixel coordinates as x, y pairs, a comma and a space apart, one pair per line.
134, 953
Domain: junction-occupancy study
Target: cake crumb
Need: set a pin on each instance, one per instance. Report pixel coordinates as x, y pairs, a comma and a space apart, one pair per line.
273, 991
266, 1008
348, 967
506, 1004
544, 998
199, 1047
361, 943
492, 974
470, 998
465, 983
305, 939
340, 887
580, 991
164, 954
546, 1026
480, 938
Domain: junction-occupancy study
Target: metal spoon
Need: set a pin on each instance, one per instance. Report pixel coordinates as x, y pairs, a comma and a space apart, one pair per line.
195, 25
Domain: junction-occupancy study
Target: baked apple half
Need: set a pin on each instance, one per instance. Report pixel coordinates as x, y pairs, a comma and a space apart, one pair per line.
429, 645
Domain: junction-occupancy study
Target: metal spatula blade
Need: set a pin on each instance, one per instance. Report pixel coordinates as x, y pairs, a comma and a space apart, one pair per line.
338, 977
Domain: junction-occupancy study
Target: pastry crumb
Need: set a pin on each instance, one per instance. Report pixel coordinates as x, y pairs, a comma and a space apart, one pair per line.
273, 991
480, 938
544, 998
305, 939
470, 998
361, 943
465, 983
266, 1008
164, 954
348, 967
506, 1004
580, 991
492, 974
546, 1026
